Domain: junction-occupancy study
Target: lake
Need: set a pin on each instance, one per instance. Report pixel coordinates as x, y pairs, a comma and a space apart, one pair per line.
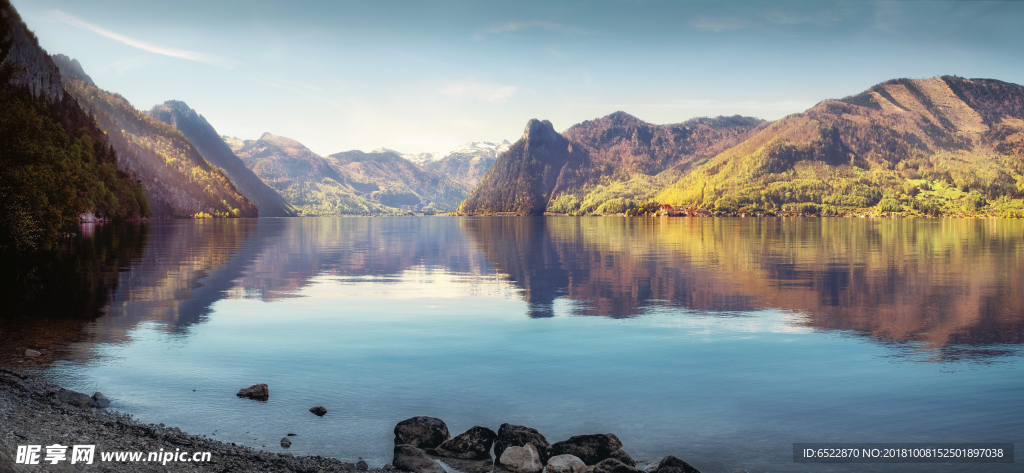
719, 340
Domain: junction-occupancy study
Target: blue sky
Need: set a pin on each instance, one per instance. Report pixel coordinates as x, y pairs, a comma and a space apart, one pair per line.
429, 75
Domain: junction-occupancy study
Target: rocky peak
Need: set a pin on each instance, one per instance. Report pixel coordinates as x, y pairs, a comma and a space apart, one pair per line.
71, 67
20, 48
542, 134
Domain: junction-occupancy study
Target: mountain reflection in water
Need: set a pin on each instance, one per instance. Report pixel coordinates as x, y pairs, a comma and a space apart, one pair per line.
945, 288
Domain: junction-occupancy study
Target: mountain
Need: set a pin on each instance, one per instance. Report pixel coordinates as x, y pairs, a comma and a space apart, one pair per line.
55, 163
525, 177
419, 158
608, 165
400, 182
945, 145
305, 179
179, 182
210, 145
468, 163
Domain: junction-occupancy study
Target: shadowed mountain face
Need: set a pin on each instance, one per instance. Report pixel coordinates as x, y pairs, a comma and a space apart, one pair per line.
524, 177
209, 144
945, 145
617, 163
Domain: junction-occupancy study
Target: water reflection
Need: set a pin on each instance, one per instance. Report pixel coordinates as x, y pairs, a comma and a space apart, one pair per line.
950, 287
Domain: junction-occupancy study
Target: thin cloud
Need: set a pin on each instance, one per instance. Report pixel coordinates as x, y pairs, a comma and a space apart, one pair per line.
479, 91
717, 24
514, 26
153, 48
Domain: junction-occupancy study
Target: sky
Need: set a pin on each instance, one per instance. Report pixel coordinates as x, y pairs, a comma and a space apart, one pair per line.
427, 76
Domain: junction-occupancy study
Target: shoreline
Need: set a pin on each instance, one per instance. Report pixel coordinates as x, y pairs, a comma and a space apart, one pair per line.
32, 414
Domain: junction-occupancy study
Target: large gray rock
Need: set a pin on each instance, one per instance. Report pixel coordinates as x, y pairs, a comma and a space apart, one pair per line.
566, 464
259, 392
473, 444
589, 448
99, 400
74, 398
671, 464
623, 457
421, 432
611, 465
523, 459
517, 436
410, 458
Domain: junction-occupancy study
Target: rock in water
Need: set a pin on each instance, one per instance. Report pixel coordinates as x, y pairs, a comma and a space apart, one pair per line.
31, 352
566, 464
521, 459
410, 458
589, 448
623, 457
421, 432
671, 464
99, 400
361, 465
259, 392
517, 436
318, 410
74, 398
611, 465
285, 442
473, 444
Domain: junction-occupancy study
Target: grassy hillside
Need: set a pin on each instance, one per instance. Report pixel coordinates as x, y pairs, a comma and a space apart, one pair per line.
178, 180
941, 146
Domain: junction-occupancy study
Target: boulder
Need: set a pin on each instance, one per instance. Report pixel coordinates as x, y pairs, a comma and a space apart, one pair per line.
566, 464
99, 400
623, 457
517, 436
473, 444
421, 432
671, 464
611, 465
410, 458
318, 410
523, 459
74, 398
259, 392
361, 465
285, 442
589, 448
31, 352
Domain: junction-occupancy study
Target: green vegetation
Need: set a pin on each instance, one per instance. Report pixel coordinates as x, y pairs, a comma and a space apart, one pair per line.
56, 164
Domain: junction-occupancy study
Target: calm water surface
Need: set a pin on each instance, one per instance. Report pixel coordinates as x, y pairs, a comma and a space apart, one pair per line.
721, 341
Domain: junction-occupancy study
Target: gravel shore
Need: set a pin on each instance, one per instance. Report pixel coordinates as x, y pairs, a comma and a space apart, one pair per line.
32, 414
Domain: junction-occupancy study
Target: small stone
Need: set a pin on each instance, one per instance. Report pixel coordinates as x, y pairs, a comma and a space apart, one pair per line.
421, 432
362, 466
318, 410
285, 442
292, 435
521, 459
99, 400
259, 392
566, 464
31, 352
74, 398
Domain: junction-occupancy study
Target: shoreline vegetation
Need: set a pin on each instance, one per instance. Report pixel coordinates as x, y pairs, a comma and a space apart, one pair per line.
35, 412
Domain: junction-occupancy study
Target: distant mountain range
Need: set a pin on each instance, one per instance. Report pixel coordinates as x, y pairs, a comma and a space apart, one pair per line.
347, 183
941, 146
608, 165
